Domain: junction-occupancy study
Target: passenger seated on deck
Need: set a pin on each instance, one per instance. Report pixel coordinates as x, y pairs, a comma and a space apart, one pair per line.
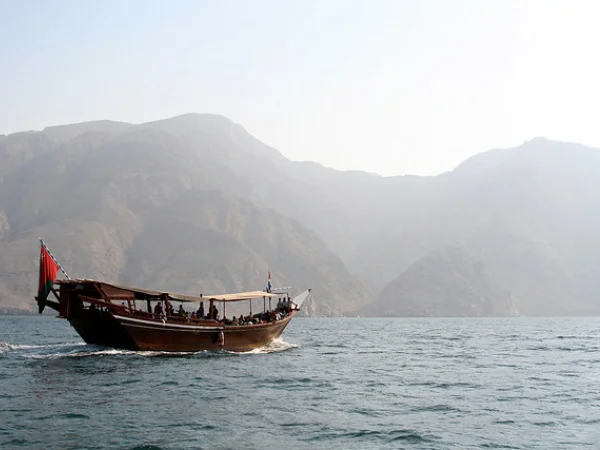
241, 319
181, 311
234, 321
213, 313
158, 310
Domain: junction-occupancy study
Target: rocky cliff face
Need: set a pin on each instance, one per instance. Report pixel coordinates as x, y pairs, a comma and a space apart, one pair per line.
155, 206
446, 282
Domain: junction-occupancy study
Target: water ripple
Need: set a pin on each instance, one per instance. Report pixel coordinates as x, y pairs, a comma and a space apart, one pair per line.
330, 383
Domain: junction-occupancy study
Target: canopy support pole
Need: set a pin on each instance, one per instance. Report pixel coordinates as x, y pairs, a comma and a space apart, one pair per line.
167, 305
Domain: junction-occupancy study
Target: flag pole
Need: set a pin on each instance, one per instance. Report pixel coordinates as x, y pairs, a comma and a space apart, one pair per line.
269, 280
52, 256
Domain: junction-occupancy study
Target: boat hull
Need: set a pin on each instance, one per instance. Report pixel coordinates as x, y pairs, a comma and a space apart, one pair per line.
133, 333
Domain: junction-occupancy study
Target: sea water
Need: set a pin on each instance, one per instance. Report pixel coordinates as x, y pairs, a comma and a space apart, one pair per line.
331, 383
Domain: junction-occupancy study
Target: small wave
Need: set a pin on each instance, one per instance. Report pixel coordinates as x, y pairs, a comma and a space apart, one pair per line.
411, 437
436, 408
147, 447
17, 442
434, 384
74, 416
75, 351
94, 351
549, 423
297, 424
579, 338
540, 380
408, 436
455, 385
539, 348
276, 345
590, 422
494, 445
569, 374
6, 347
39, 351
366, 412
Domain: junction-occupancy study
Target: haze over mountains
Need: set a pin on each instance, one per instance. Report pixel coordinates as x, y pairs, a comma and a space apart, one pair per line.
196, 204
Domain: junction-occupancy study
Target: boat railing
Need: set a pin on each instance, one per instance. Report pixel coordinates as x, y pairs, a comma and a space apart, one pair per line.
113, 306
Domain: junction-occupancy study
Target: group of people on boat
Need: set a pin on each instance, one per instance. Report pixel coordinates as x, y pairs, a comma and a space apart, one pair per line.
164, 310
284, 304
254, 319
183, 314
284, 307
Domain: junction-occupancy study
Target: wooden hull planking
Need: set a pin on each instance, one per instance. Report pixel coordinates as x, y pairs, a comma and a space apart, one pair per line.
132, 333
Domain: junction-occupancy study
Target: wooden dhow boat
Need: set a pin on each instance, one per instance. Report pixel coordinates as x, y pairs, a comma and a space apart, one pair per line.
130, 318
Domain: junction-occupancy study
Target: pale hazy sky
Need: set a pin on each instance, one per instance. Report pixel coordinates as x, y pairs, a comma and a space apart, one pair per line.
391, 87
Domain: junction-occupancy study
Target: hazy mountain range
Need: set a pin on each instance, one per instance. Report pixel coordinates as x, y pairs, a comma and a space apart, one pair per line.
196, 204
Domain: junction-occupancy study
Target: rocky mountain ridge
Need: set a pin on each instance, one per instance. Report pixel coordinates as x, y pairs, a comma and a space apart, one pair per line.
195, 203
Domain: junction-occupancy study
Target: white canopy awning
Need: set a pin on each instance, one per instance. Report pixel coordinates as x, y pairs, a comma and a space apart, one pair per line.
143, 294
241, 296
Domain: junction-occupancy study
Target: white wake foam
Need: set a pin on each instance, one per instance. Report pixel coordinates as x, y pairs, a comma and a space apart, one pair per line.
276, 345
93, 350
5, 346
81, 349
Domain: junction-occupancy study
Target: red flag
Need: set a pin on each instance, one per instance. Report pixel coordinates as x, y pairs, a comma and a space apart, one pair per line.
48, 272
